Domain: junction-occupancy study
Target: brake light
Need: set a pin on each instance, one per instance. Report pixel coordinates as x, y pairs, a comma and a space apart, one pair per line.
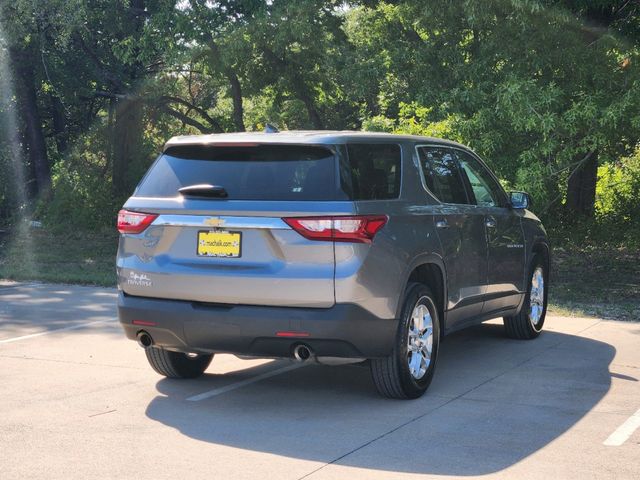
134, 222
358, 229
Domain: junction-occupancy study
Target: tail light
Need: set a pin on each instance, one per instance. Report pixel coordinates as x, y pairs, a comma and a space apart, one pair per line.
358, 229
134, 222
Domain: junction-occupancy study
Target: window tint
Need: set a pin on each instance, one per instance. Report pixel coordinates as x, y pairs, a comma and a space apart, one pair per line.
442, 175
265, 172
486, 191
371, 172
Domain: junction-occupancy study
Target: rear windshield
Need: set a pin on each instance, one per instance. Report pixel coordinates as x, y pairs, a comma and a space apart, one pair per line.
265, 172
279, 172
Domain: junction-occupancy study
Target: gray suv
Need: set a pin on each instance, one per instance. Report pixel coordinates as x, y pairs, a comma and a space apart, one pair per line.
335, 247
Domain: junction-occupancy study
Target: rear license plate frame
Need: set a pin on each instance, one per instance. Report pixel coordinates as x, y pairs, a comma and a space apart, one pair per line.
218, 232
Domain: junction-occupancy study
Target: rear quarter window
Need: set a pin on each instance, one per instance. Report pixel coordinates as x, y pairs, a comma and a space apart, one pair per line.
371, 171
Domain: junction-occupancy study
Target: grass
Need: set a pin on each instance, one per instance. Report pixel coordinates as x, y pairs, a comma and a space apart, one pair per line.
86, 258
592, 279
596, 280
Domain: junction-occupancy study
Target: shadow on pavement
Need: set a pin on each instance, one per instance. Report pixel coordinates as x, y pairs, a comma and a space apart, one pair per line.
494, 402
50, 307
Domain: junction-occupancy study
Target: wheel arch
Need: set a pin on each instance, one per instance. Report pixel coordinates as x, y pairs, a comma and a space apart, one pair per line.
541, 247
428, 270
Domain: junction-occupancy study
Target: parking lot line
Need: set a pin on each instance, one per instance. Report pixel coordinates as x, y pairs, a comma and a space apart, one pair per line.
243, 383
47, 332
624, 431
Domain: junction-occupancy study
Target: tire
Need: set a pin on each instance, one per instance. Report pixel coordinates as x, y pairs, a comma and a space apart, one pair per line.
176, 364
528, 323
393, 375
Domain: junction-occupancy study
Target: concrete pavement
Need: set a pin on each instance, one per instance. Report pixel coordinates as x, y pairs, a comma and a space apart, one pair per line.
79, 401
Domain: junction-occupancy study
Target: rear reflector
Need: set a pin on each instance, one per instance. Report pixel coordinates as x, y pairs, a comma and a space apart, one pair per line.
144, 323
134, 222
292, 334
358, 228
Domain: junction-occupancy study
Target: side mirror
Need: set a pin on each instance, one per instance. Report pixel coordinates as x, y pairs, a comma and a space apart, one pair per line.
519, 200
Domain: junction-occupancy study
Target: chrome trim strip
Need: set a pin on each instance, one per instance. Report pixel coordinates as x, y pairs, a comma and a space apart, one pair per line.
270, 223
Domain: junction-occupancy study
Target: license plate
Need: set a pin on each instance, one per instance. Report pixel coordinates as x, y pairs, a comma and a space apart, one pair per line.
219, 244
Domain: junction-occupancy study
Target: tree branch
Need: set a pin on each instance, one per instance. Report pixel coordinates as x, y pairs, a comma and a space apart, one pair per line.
106, 75
201, 111
185, 119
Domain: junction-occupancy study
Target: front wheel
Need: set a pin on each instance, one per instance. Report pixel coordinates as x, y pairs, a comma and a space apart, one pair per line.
527, 324
408, 371
176, 364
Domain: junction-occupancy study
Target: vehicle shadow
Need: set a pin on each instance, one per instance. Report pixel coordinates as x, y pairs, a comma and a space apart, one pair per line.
494, 402
51, 307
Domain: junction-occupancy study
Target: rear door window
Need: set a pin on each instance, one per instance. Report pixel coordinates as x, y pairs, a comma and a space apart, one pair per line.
371, 171
442, 175
262, 172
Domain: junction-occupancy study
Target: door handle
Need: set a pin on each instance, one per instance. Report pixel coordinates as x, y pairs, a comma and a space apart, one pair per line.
490, 222
442, 224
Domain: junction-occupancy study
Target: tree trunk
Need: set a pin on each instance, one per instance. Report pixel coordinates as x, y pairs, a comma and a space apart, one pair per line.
236, 94
111, 115
26, 92
127, 139
59, 123
234, 82
581, 188
312, 111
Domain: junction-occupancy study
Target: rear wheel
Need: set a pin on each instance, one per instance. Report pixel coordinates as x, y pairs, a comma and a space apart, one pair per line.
176, 364
527, 324
408, 371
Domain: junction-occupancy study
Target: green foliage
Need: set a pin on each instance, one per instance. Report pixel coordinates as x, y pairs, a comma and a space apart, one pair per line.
82, 198
414, 119
532, 85
618, 192
616, 226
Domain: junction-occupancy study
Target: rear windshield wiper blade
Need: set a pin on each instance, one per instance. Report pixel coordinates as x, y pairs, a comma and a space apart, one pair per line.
204, 190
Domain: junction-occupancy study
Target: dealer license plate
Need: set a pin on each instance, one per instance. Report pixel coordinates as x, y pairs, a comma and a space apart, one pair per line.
219, 244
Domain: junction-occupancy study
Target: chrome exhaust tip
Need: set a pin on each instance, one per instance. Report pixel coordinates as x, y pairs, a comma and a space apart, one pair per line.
301, 353
144, 339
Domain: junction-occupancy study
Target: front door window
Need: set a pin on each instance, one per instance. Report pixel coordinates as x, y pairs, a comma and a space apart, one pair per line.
486, 191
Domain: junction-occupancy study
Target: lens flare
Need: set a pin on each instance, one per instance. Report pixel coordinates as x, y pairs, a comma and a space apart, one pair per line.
11, 148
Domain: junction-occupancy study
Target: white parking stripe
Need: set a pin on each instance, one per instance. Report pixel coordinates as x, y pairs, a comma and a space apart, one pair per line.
47, 332
248, 381
624, 431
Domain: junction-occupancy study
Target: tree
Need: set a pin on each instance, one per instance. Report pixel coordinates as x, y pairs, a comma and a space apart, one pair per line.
22, 39
529, 86
545, 90
206, 32
297, 52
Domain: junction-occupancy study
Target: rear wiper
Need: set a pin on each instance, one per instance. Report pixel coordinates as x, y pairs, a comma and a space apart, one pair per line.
204, 190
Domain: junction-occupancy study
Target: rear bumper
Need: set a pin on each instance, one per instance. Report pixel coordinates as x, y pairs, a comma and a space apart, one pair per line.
344, 330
